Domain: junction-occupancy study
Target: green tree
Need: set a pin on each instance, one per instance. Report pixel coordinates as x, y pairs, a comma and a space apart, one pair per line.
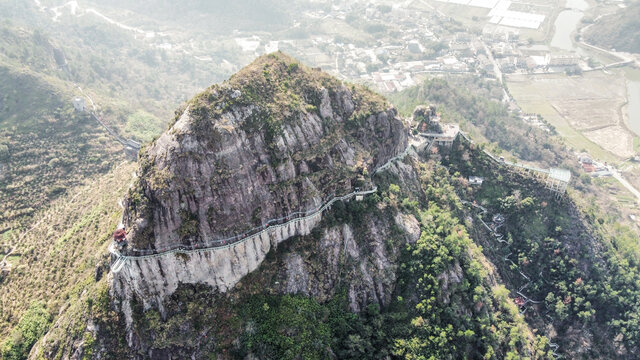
33, 324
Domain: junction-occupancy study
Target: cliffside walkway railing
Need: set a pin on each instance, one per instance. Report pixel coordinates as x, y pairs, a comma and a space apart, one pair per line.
270, 225
557, 179
399, 157
274, 223
251, 234
502, 161
232, 241
499, 237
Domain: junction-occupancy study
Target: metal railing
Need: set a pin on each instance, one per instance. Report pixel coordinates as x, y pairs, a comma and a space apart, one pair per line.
237, 239
502, 161
270, 225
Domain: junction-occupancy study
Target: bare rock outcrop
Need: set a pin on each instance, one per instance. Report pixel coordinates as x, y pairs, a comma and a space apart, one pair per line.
275, 139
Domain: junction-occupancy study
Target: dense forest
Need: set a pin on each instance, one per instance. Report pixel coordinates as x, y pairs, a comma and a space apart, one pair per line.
581, 273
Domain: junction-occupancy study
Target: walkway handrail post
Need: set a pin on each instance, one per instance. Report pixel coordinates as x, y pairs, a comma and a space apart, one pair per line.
252, 233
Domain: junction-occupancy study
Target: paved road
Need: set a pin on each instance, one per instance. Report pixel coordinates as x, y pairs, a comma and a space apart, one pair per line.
624, 182
496, 66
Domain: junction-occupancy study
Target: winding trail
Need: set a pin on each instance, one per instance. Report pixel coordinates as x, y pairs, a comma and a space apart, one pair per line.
127, 143
505, 162
73, 6
616, 175
214, 244
269, 226
273, 224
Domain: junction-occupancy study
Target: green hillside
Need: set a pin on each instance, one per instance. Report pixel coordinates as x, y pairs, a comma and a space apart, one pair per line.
417, 269
46, 146
456, 287
620, 31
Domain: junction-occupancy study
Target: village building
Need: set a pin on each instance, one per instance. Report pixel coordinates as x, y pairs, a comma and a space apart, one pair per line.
78, 104
562, 60
446, 137
476, 180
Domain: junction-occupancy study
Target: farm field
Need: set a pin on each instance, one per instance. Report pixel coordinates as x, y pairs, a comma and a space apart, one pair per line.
586, 110
478, 14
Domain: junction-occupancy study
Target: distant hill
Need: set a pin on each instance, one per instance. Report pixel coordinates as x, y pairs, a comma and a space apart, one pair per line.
217, 16
620, 31
45, 146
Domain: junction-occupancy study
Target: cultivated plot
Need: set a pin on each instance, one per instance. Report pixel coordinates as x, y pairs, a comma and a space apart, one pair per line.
589, 105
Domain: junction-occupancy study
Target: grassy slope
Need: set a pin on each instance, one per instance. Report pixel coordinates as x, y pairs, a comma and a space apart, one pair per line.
46, 147
59, 254
50, 147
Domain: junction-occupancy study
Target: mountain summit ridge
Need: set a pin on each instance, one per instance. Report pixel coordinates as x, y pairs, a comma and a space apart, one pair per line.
249, 136
275, 139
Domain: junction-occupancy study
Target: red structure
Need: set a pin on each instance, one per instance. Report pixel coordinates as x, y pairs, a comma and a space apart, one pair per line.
519, 301
120, 235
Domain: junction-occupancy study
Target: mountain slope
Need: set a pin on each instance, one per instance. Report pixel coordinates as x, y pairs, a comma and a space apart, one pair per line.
310, 136
47, 146
57, 258
618, 31
276, 139
416, 268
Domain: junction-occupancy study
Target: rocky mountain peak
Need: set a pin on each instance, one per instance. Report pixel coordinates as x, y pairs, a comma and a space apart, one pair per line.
276, 138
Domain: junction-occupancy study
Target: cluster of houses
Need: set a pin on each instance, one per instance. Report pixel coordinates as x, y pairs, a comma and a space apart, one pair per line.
514, 55
592, 167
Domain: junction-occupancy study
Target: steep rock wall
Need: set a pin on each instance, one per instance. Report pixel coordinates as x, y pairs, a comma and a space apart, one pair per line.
240, 154
153, 279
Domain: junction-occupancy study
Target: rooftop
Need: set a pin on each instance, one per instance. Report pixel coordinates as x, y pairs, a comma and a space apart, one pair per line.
560, 174
448, 131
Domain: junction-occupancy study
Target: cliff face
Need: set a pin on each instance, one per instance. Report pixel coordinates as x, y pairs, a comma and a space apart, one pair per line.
275, 139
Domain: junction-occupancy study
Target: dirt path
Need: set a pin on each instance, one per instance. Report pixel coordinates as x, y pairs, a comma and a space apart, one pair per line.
3, 262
